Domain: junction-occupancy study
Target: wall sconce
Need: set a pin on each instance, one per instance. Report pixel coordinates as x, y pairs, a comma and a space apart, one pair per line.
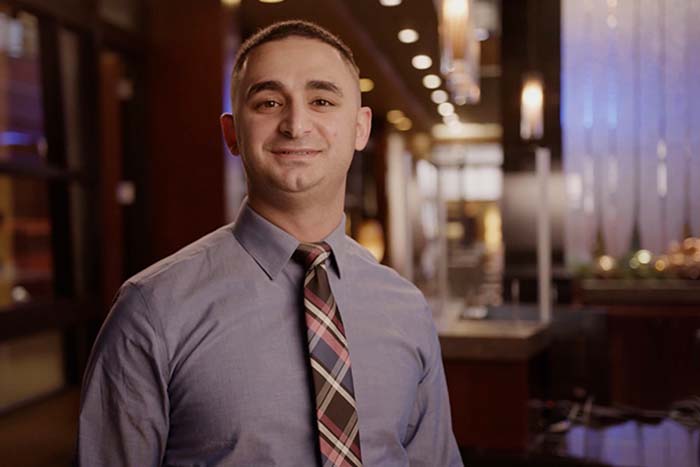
531, 129
531, 107
461, 51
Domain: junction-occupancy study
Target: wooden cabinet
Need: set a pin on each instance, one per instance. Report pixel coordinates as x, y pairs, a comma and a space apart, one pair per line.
654, 354
488, 371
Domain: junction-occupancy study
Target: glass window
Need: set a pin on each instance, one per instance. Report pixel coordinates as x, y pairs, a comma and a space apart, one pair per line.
33, 365
26, 260
25, 226
22, 139
30, 367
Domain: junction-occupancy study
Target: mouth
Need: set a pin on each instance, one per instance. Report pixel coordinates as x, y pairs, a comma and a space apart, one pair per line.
293, 152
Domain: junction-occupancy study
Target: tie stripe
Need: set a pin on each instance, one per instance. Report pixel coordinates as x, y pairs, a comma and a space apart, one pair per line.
336, 413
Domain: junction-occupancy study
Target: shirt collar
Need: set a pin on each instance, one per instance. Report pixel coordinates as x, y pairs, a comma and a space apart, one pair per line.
271, 247
338, 242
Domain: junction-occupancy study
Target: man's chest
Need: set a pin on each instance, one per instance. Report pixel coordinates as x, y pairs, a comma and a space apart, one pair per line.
244, 384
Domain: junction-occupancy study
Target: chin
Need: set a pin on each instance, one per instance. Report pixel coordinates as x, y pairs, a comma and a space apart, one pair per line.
298, 181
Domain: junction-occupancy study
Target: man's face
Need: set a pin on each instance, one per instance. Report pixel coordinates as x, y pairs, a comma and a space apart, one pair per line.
297, 119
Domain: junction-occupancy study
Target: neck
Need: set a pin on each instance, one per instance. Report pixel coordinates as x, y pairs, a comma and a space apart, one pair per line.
305, 221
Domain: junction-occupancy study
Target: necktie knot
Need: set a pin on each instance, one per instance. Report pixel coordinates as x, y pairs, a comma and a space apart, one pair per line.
312, 255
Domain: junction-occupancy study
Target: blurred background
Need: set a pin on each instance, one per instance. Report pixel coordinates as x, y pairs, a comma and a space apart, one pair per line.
533, 168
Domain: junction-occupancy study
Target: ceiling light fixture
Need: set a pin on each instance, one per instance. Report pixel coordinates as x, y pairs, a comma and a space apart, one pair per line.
366, 84
270, 1
432, 81
404, 124
460, 50
438, 96
393, 116
446, 109
408, 36
421, 62
390, 2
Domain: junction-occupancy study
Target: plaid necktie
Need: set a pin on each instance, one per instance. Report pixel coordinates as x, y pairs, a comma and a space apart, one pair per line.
339, 436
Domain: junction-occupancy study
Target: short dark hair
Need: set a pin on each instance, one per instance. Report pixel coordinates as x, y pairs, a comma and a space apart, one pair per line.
282, 30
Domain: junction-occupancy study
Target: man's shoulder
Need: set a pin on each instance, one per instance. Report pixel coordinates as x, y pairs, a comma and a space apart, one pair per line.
366, 266
201, 260
166, 299
388, 298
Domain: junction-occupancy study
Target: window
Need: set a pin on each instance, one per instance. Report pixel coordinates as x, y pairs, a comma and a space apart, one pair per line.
26, 261
44, 191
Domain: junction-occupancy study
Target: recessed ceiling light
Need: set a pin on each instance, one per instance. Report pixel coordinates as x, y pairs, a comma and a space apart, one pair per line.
230, 2
394, 116
446, 109
404, 124
438, 96
270, 1
432, 81
408, 36
421, 62
390, 2
366, 84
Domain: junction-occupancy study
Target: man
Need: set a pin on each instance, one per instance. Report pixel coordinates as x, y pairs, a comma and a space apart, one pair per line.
211, 357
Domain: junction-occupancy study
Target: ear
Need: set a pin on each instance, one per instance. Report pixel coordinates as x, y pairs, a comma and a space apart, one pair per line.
364, 127
229, 133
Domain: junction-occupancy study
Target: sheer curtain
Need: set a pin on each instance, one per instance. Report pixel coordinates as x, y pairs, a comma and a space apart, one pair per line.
630, 123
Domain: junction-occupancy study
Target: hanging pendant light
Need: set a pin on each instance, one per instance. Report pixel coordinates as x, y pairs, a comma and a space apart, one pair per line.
461, 50
532, 107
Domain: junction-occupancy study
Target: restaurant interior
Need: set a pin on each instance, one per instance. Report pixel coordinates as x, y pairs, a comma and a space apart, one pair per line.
530, 169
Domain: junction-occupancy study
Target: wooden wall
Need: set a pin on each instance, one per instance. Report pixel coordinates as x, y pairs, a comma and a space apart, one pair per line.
186, 175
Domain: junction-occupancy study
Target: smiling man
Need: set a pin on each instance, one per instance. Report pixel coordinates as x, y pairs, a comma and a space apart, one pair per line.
276, 340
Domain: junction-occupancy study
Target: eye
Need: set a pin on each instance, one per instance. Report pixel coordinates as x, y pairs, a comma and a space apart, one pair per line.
322, 102
267, 104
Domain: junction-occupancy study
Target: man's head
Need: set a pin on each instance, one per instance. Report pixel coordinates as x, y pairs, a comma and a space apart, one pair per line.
297, 116
283, 30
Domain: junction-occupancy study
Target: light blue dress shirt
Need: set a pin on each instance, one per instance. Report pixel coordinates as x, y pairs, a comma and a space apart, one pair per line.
201, 360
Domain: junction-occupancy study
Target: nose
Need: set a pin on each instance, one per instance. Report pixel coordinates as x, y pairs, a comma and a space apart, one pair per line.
295, 121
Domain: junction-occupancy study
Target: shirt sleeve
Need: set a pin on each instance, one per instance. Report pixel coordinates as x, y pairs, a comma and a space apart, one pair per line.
431, 441
124, 406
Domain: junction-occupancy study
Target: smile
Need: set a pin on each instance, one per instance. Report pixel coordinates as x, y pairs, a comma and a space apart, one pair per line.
295, 152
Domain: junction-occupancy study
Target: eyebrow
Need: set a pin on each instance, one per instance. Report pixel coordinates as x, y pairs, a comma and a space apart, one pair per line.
324, 86
263, 86
272, 85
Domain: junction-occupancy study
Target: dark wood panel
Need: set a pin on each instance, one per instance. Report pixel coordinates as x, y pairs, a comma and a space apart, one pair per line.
111, 220
59, 202
186, 180
21, 320
677, 295
654, 355
40, 172
489, 403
